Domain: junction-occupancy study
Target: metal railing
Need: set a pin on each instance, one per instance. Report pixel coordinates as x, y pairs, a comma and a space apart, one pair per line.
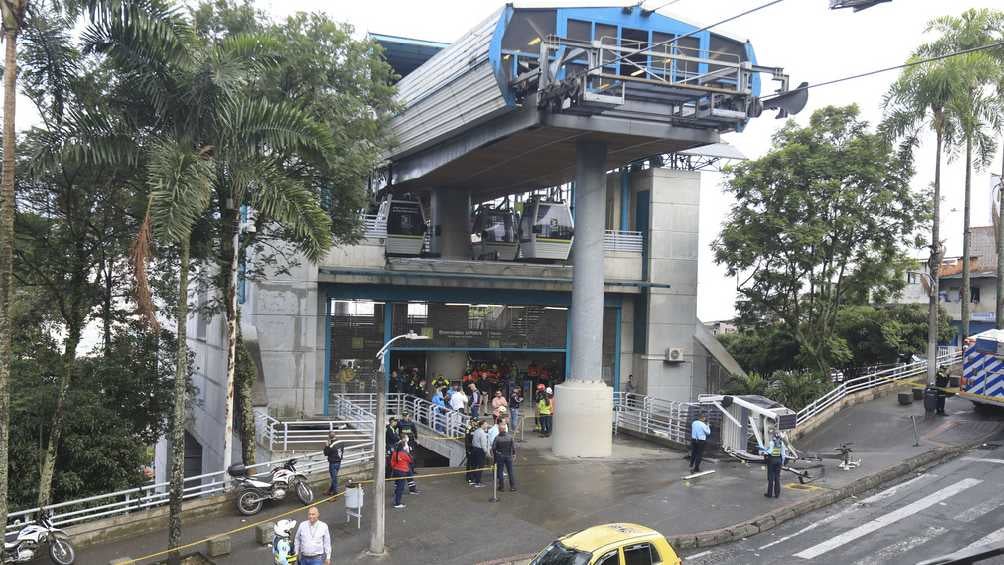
623, 241
292, 434
651, 416
865, 382
442, 420
156, 494
374, 227
670, 419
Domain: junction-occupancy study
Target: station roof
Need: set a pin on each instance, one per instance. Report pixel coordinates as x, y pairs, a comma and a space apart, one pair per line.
405, 54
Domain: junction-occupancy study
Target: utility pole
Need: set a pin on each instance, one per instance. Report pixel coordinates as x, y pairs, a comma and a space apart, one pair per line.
1000, 248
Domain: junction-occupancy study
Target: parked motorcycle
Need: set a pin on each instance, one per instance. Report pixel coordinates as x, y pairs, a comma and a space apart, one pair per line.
253, 492
31, 537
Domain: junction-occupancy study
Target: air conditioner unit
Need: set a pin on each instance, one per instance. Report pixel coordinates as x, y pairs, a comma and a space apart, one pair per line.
674, 355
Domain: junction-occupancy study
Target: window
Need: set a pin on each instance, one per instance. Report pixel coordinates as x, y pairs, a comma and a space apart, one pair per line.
611, 558
641, 554
912, 278
974, 294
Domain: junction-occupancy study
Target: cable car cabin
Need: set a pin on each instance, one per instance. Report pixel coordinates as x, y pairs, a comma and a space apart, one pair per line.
405, 227
546, 231
493, 235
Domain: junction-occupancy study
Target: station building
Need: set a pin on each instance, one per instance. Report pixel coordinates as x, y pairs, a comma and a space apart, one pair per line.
600, 115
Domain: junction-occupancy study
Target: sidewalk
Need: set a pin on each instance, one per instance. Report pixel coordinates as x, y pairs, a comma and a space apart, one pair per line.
453, 523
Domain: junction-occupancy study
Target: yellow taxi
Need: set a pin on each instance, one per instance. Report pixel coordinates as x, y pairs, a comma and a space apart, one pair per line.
609, 544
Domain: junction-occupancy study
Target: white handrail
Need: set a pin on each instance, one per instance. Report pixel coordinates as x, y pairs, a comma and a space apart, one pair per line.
155, 494
624, 241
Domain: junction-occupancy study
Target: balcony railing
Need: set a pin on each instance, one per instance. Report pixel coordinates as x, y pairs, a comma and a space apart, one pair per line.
614, 241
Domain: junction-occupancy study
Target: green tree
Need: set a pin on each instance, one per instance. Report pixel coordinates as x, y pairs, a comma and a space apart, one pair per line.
821, 214
763, 349
976, 106
919, 98
879, 335
750, 383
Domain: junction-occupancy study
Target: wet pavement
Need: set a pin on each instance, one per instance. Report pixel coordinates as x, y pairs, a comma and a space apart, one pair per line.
451, 522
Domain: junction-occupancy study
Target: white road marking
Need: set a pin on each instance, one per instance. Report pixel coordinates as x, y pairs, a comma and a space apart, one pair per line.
984, 460
985, 507
887, 553
699, 555
887, 519
992, 537
856, 506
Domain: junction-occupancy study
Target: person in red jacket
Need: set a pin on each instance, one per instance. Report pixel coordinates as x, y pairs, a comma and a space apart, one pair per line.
400, 465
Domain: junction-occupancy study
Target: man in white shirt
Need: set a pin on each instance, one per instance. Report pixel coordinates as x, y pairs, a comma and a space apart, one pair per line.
458, 400
313, 541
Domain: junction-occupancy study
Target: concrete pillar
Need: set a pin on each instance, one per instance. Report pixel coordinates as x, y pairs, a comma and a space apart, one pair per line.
451, 215
583, 403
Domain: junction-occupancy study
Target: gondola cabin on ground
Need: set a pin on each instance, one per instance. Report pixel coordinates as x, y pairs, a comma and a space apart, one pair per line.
546, 231
405, 220
493, 235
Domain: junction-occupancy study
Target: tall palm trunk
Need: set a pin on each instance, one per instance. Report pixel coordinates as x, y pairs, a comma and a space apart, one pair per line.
966, 237
178, 418
934, 264
1000, 250
56, 425
230, 252
246, 376
6, 247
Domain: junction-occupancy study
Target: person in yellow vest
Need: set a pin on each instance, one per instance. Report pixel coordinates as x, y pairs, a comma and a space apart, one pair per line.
545, 409
776, 454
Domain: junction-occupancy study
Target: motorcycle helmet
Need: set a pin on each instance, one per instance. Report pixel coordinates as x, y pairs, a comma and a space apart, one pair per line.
548, 390
502, 410
284, 528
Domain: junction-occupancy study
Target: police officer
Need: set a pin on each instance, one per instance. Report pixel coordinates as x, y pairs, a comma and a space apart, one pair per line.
776, 454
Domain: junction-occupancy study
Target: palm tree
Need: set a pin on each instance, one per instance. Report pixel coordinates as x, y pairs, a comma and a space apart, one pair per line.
13, 12
239, 147
749, 383
977, 108
180, 179
919, 98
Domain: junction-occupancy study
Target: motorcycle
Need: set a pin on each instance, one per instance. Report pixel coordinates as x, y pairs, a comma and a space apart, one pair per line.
32, 536
253, 492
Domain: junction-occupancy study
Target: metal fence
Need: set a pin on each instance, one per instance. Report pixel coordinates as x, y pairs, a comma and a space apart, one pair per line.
285, 435
947, 356
442, 420
156, 494
669, 419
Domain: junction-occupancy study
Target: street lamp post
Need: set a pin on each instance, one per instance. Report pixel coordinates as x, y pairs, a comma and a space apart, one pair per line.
379, 449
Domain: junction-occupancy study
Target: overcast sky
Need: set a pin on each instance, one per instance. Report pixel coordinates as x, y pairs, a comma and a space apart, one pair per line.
810, 41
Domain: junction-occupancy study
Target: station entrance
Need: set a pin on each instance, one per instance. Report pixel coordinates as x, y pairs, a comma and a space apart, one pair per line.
505, 343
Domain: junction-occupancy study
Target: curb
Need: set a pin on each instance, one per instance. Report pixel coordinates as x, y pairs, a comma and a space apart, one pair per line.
781, 515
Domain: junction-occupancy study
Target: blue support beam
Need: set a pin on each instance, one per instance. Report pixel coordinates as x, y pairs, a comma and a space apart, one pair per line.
625, 196
327, 353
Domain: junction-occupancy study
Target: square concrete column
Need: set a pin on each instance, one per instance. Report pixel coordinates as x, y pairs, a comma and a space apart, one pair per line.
584, 403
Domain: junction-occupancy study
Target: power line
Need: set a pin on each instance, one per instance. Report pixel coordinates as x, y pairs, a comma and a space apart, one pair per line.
686, 35
909, 64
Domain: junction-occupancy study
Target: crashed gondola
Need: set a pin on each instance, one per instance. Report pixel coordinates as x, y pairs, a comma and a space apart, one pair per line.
546, 230
493, 234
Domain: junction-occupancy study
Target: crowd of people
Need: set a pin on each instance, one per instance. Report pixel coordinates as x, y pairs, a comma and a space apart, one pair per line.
495, 391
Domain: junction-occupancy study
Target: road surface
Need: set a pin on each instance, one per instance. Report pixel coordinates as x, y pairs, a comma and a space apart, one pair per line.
946, 508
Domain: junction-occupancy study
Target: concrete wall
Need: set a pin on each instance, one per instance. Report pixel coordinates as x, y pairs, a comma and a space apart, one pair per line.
672, 258
451, 364
289, 313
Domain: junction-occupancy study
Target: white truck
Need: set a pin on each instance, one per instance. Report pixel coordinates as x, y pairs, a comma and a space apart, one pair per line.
983, 370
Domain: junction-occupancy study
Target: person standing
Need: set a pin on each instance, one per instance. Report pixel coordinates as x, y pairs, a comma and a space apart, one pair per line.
776, 454
458, 400
699, 432
334, 451
475, 399
544, 409
400, 465
313, 541
504, 450
480, 448
515, 401
498, 403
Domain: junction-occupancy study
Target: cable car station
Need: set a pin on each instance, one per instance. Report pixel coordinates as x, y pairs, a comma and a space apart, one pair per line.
540, 209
